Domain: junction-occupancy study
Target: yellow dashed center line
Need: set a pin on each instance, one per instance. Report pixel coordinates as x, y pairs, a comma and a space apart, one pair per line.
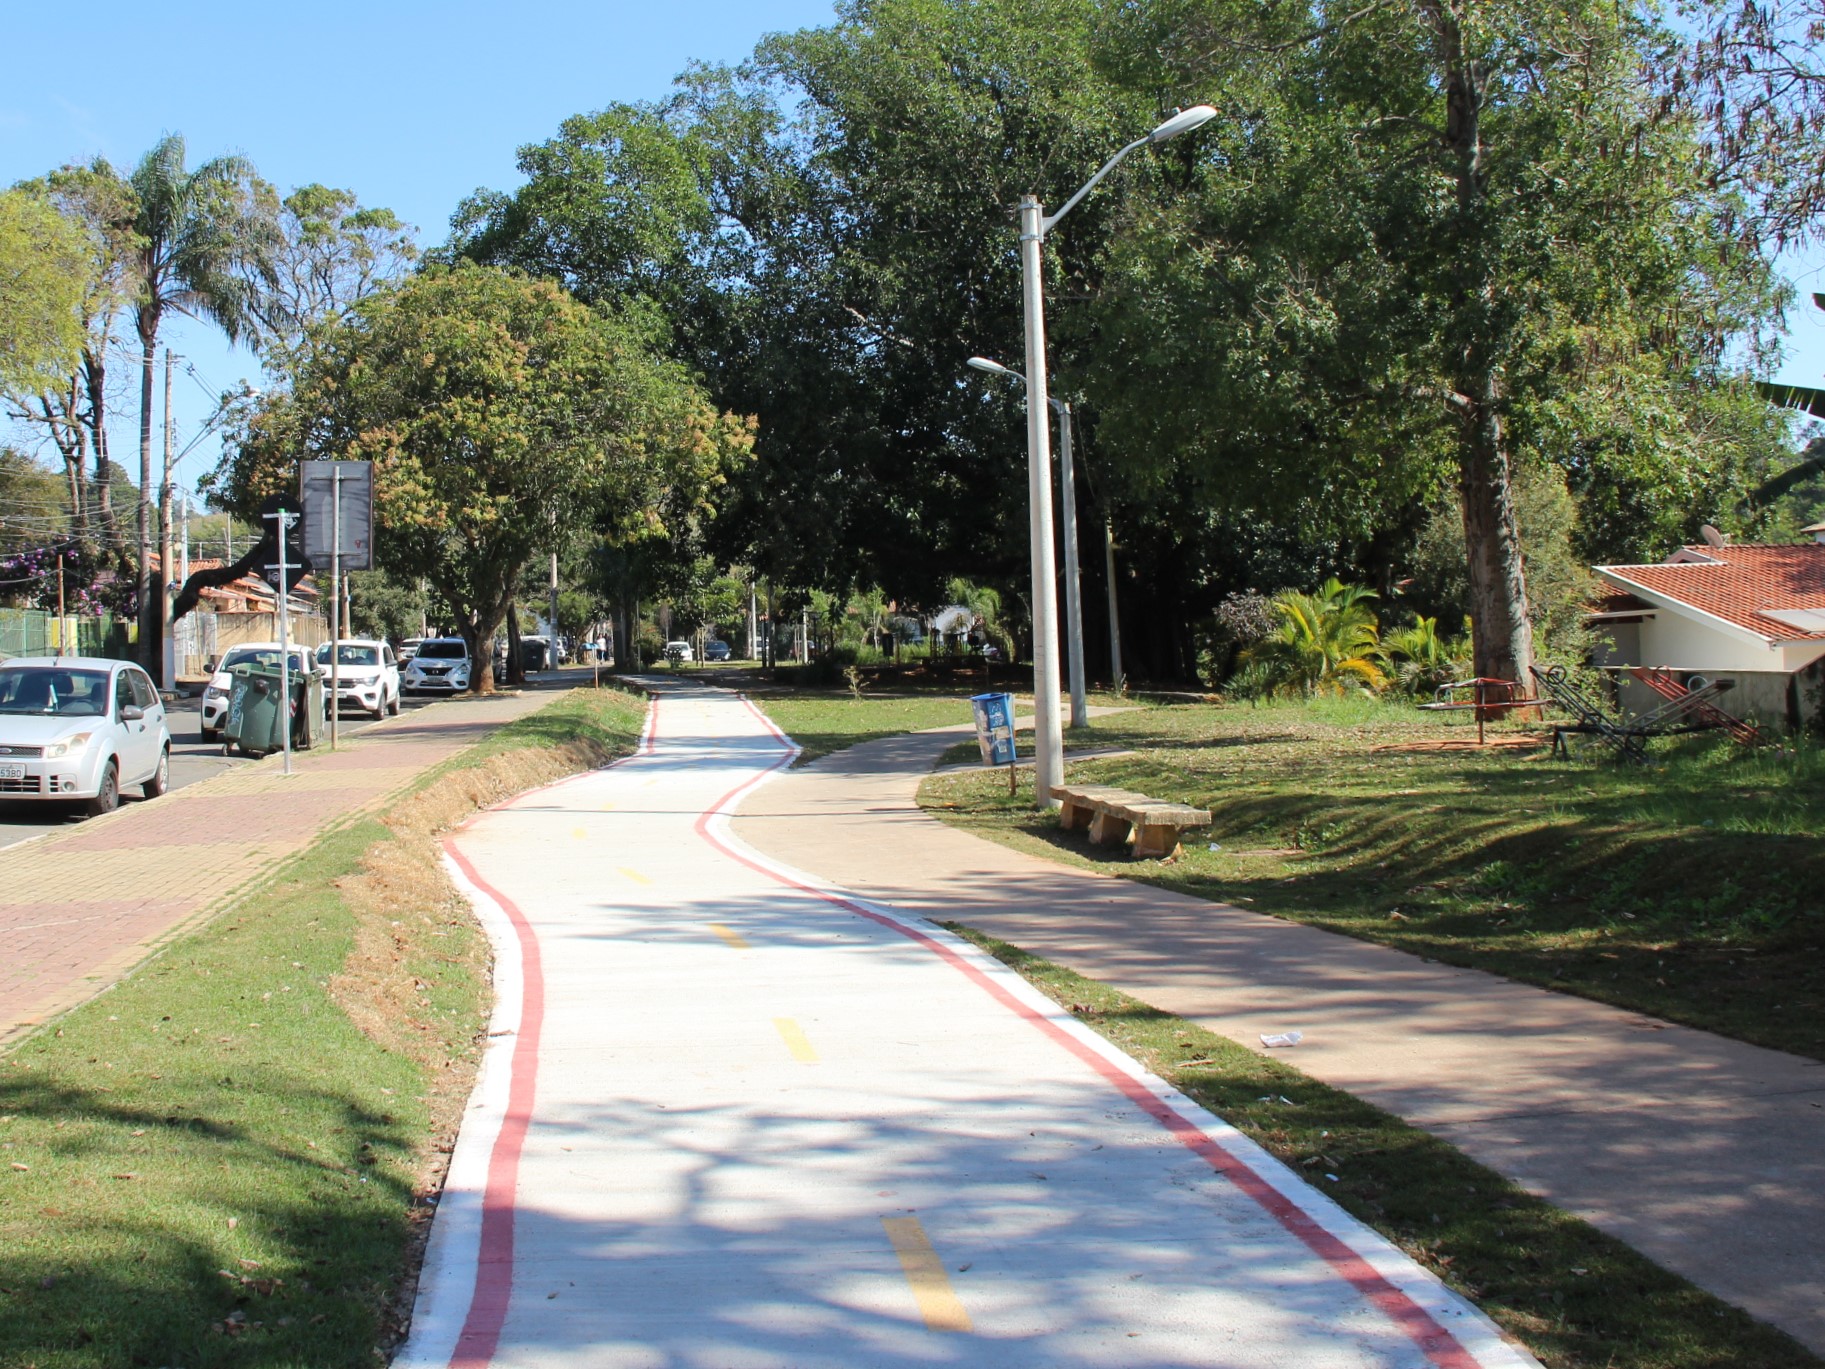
579, 834
794, 1037
931, 1286
634, 875
734, 939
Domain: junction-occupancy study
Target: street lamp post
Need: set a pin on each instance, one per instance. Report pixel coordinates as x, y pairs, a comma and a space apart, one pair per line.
1048, 737
1074, 615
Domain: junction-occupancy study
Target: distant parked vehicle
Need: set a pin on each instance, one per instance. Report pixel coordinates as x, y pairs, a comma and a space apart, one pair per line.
441, 667
678, 651
78, 728
715, 651
409, 648
367, 674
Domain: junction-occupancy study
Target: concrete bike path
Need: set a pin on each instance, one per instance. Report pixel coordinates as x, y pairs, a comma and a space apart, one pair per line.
732, 1117
1701, 1152
82, 907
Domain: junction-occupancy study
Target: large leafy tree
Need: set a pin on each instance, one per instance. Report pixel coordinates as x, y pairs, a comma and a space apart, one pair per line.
1440, 238
73, 409
43, 277
204, 244
504, 418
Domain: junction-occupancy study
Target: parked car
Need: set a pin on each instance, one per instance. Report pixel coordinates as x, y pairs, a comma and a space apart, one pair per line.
679, 651
221, 679
409, 648
715, 651
366, 674
441, 666
79, 728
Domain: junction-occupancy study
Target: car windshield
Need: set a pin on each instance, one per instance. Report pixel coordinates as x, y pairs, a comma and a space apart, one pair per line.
267, 656
57, 692
350, 655
443, 651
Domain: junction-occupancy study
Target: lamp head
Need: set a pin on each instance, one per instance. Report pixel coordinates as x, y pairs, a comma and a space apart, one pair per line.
995, 368
1183, 122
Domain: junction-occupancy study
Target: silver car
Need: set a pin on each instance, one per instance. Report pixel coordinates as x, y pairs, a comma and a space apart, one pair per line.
79, 728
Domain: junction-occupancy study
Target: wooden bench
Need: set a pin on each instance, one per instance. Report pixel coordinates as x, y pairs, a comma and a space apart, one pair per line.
1116, 816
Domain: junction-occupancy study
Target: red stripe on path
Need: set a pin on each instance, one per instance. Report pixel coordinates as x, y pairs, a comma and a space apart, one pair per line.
481, 1333
1440, 1347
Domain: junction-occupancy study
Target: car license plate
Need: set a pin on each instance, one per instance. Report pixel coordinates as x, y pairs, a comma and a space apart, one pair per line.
11, 772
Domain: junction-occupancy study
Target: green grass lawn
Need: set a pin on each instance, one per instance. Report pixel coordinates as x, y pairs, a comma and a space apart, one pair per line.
825, 722
1578, 1299
1686, 888
211, 1165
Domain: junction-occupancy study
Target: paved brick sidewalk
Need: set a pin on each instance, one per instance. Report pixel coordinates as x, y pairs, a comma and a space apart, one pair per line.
1699, 1151
80, 908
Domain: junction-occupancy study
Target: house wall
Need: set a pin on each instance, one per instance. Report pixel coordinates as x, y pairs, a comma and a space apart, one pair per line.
1673, 641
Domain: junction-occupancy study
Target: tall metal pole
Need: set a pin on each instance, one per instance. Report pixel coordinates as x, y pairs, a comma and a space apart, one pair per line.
285, 518
1116, 676
1048, 736
1074, 611
551, 659
167, 648
335, 708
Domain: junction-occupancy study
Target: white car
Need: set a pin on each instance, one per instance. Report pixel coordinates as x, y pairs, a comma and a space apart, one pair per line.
364, 672
678, 651
221, 680
79, 728
441, 666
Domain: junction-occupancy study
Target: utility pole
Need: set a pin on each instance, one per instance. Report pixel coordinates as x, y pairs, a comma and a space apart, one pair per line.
167, 647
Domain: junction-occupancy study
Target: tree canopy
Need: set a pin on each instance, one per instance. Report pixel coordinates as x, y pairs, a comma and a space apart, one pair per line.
503, 418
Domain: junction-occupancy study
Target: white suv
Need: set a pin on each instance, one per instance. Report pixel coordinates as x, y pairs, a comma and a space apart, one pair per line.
440, 666
365, 674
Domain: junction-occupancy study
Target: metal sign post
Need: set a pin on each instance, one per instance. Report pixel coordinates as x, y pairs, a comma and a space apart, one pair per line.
338, 532
336, 629
285, 519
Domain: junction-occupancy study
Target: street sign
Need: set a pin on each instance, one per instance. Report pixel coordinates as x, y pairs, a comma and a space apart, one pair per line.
338, 498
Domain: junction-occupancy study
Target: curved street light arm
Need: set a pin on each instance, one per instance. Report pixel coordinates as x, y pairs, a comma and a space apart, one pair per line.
1046, 224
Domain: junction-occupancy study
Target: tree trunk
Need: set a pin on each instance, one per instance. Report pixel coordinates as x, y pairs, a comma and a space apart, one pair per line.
1501, 632
516, 654
95, 383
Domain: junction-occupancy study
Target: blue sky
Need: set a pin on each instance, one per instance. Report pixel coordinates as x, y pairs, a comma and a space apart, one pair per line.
411, 105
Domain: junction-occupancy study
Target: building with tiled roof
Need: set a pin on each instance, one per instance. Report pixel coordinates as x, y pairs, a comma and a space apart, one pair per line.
1755, 613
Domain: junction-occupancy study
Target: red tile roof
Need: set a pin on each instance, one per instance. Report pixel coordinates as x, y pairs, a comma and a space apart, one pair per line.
1738, 584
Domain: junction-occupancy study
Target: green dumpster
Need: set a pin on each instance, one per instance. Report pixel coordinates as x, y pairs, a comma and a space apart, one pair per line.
252, 724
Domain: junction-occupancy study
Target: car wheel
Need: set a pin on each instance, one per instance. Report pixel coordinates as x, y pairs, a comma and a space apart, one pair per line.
108, 799
208, 734
161, 777
393, 707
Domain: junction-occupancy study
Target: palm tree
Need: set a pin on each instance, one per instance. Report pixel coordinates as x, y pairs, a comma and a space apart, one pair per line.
206, 241
1324, 641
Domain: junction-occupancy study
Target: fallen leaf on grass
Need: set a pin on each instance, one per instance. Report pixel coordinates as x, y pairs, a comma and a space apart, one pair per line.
20, 1167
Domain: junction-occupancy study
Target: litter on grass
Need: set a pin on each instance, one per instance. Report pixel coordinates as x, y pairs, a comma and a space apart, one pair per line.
1272, 1039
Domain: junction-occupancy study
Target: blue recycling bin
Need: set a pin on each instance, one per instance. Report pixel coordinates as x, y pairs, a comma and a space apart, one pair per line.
994, 727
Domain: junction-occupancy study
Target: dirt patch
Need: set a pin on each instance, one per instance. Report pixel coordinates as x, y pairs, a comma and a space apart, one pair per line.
1504, 742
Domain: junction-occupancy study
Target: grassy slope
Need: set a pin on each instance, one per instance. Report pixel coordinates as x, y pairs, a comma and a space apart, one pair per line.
212, 1165
1683, 889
